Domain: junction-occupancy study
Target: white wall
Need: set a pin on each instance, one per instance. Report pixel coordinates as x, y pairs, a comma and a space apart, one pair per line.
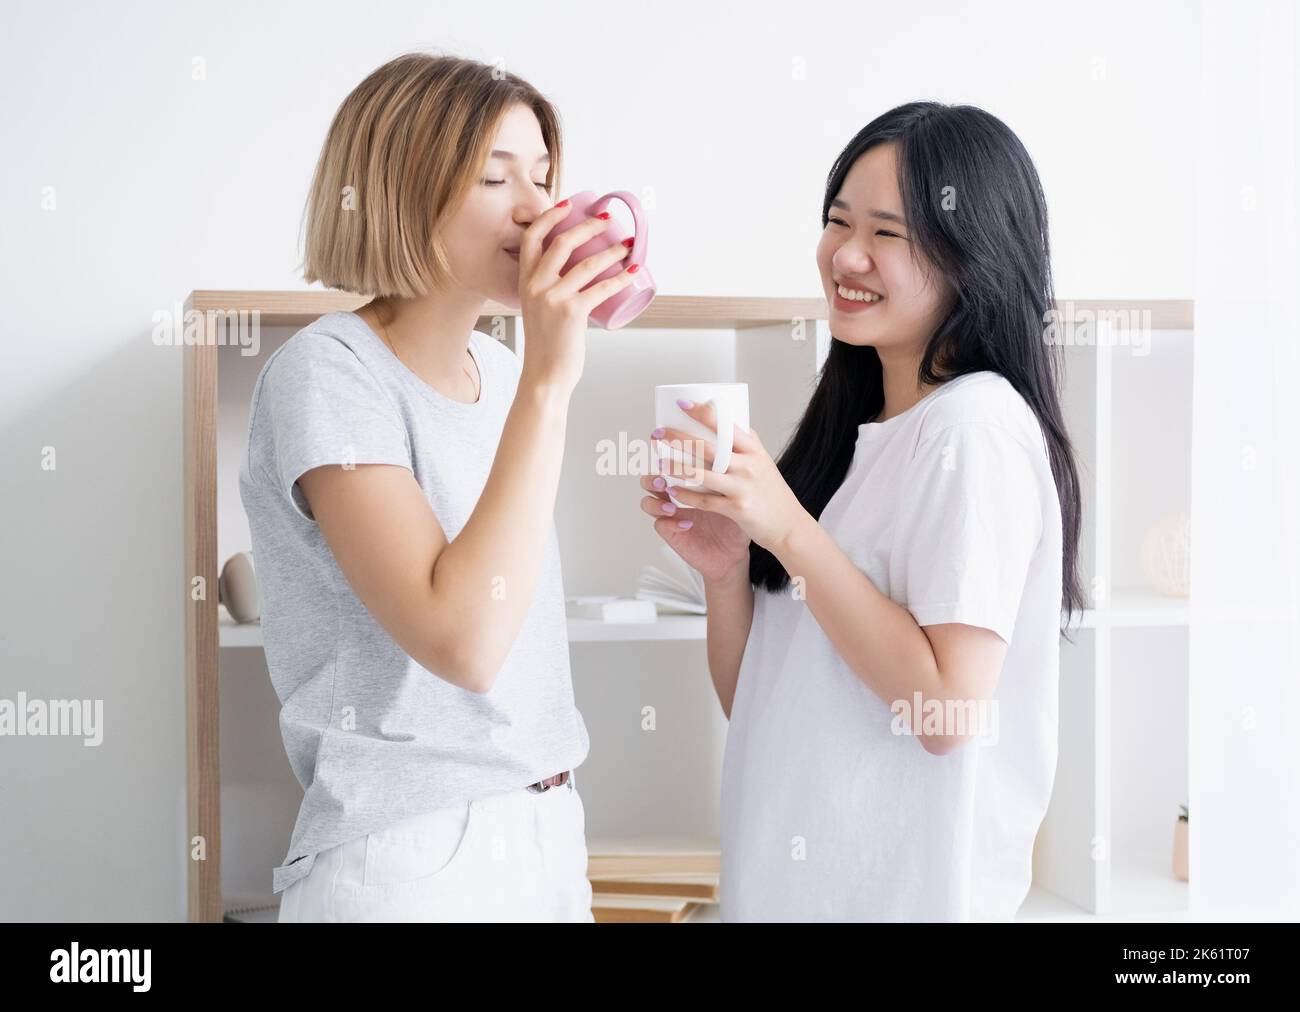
729, 114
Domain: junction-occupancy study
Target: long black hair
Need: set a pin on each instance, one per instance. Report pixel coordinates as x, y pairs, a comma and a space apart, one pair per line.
992, 249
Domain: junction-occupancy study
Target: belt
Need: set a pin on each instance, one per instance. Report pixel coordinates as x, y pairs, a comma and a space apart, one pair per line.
549, 782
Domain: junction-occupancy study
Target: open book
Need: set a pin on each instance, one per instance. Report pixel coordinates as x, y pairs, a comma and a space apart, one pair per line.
675, 589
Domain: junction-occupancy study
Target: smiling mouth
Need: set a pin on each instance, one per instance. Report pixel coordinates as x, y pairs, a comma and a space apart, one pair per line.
850, 300
856, 294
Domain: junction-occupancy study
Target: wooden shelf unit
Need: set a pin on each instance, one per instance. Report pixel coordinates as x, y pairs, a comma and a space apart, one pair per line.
762, 327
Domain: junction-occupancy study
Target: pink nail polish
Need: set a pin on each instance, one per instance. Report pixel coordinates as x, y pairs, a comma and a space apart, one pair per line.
683, 403
660, 484
686, 525
658, 433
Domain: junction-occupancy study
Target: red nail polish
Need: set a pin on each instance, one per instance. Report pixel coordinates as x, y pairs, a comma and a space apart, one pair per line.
629, 243
603, 215
563, 203
634, 268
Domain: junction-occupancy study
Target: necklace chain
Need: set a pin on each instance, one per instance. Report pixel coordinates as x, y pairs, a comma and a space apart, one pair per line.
389, 341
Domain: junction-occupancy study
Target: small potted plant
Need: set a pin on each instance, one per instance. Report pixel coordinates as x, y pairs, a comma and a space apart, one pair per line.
1180, 844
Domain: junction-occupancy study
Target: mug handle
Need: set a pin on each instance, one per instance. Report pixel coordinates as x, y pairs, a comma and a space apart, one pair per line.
726, 423
640, 226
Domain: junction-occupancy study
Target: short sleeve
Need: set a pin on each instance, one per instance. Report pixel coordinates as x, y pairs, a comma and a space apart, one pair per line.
970, 517
321, 405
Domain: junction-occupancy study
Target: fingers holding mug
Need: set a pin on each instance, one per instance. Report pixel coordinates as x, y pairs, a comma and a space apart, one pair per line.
558, 253
655, 485
596, 264
602, 290
530, 245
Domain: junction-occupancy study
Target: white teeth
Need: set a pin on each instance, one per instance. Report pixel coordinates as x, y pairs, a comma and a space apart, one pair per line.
855, 296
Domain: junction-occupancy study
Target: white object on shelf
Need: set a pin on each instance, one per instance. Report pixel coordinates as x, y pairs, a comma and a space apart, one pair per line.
665, 627
237, 588
1167, 555
612, 609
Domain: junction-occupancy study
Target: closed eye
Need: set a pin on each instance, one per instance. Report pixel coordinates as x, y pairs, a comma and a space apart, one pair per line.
884, 232
498, 182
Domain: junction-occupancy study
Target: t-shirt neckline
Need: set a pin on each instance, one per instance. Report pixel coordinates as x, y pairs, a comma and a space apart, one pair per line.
414, 380
874, 429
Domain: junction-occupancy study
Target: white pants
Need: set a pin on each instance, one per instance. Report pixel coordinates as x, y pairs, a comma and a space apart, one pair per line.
517, 856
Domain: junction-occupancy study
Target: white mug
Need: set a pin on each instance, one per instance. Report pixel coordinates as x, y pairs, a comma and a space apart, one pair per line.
730, 406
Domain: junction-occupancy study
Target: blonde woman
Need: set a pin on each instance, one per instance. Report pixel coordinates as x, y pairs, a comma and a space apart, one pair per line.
400, 485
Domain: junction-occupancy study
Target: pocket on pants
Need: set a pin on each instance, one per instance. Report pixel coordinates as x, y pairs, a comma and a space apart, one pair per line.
563, 820
424, 849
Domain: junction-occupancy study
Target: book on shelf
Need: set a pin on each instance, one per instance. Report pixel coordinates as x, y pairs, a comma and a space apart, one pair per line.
675, 588
657, 880
699, 887
640, 909
614, 858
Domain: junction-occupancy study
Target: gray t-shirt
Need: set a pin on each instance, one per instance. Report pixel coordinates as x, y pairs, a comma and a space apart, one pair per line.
372, 736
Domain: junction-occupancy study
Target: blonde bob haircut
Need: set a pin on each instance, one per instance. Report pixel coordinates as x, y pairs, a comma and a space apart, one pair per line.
404, 148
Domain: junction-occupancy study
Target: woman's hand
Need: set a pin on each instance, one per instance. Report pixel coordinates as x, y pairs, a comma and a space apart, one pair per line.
554, 310
709, 542
751, 495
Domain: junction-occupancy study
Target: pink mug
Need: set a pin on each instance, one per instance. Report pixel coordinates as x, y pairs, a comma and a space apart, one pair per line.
625, 305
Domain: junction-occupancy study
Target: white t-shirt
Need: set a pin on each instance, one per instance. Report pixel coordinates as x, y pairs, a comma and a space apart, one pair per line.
828, 811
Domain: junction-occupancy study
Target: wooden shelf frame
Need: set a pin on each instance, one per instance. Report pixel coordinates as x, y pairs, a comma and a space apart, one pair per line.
758, 315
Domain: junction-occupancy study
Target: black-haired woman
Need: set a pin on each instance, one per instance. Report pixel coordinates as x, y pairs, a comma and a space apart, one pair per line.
885, 600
